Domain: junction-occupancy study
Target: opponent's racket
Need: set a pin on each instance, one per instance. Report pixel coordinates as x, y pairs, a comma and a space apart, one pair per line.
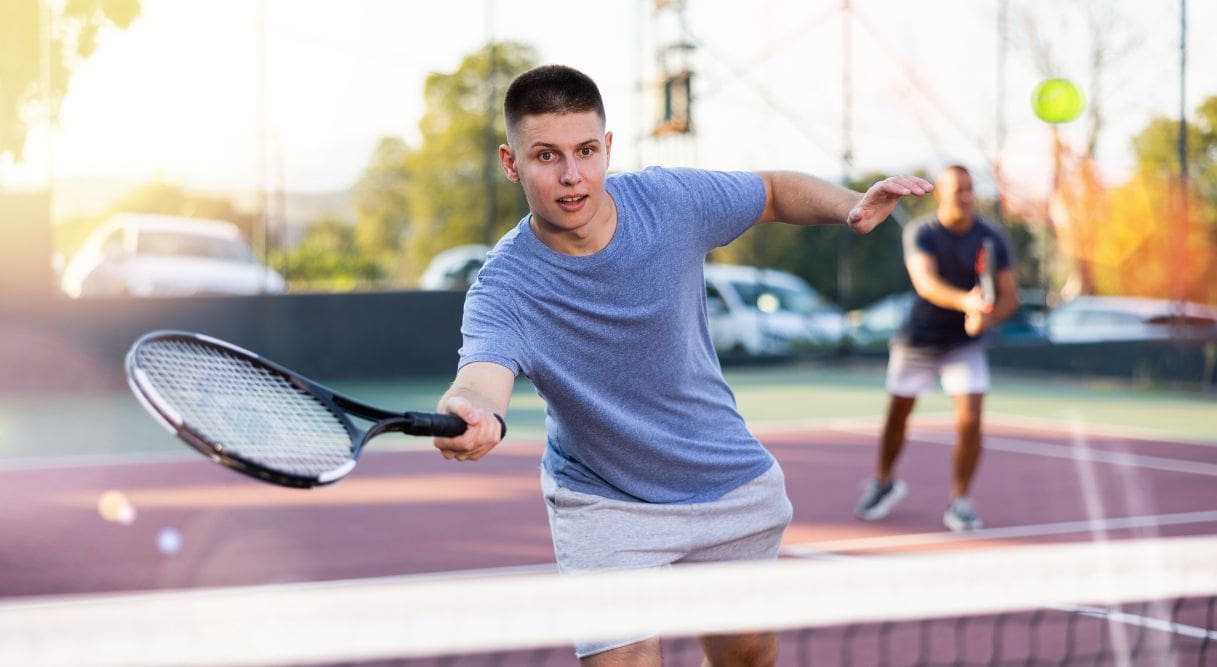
257, 417
986, 271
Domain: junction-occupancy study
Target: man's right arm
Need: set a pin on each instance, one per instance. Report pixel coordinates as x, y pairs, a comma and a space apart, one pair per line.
481, 390
923, 271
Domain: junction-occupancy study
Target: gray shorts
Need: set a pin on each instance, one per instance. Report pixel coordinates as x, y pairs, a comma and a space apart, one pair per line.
912, 371
595, 533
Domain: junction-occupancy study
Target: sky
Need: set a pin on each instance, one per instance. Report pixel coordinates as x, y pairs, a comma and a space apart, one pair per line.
175, 96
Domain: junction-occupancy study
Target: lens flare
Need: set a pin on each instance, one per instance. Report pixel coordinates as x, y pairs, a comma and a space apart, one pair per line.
113, 506
168, 541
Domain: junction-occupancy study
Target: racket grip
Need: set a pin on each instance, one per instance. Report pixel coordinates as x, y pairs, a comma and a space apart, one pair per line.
430, 423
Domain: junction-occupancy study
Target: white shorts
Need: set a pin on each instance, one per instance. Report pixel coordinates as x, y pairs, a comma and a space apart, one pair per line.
911, 371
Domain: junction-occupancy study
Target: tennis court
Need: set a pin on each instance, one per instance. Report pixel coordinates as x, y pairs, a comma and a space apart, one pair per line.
1066, 463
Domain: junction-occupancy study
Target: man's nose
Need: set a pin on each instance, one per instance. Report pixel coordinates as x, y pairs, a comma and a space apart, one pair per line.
570, 174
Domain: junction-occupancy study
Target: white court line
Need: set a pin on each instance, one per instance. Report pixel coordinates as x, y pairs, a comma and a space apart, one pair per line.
1020, 446
1160, 625
1125, 432
812, 549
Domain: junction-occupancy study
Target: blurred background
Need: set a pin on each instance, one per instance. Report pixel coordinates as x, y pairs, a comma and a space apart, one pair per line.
318, 182
173, 148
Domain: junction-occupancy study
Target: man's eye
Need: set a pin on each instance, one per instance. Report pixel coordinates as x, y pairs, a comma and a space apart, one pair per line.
545, 156
586, 151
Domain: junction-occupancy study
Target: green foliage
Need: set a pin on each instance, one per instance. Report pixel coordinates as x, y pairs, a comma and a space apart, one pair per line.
73, 37
411, 203
381, 200
448, 173
1157, 149
328, 259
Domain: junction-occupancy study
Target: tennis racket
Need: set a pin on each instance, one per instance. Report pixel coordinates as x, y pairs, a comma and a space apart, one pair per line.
986, 271
257, 417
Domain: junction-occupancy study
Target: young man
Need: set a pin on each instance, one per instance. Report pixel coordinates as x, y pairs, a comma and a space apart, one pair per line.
597, 296
943, 338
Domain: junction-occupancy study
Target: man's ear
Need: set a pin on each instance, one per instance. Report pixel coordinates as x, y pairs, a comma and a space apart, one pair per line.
508, 160
608, 146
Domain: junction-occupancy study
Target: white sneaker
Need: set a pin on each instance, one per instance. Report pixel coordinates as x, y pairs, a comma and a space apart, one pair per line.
878, 498
960, 517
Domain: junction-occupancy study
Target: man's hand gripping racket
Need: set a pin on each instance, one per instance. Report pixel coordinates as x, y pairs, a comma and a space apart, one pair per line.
986, 284
257, 417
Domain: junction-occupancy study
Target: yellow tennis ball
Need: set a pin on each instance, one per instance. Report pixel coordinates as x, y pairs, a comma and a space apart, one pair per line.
1057, 101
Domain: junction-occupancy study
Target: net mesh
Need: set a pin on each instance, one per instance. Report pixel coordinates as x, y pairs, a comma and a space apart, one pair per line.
1131, 602
250, 411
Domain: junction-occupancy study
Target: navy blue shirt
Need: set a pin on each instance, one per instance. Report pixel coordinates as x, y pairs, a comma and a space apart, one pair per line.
955, 255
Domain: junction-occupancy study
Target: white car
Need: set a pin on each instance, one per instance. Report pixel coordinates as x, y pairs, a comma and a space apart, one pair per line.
455, 268
1108, 318
765, 312
162, 255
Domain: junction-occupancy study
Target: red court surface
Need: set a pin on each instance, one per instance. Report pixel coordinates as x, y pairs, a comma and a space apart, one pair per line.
411, 512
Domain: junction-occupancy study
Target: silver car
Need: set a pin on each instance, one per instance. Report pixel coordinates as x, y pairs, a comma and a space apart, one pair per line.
162, 255
765, 312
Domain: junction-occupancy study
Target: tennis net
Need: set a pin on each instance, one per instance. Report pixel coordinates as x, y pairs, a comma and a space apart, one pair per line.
1124, 602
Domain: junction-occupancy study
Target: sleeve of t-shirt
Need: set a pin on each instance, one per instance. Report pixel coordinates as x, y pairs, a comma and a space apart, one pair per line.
916, 239
727, 203
490, 330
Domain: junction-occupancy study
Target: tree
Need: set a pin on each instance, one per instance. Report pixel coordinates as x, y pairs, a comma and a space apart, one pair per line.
381, 199
1157, 150
412, 203
328, 259
71, 38
1148, 236
446, 175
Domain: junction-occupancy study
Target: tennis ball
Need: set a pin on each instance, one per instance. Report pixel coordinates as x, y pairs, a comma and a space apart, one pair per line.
1057, 101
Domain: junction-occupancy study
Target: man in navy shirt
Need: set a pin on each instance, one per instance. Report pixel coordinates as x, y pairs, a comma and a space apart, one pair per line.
943, 338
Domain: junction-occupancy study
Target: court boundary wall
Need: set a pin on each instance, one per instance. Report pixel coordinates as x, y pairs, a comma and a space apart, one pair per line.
60, 344
63, 345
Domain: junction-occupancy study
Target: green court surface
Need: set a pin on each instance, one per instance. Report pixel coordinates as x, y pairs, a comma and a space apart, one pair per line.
107, 424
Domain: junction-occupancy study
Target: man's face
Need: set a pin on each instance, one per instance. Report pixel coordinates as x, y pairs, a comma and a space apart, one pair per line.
560, 160
953, 190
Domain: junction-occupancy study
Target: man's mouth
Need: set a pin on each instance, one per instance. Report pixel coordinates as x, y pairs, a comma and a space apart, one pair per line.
572, 203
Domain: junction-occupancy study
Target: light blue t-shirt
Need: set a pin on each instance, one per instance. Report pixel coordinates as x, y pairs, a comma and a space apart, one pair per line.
618, 345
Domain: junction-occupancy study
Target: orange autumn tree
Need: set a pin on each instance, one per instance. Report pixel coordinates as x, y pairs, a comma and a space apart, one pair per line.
1154, 235
1154, 245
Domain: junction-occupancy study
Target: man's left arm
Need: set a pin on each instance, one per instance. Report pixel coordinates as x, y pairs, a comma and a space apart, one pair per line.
803, 199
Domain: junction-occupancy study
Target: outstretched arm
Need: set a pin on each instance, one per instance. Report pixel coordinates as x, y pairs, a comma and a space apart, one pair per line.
802, 199
480, 391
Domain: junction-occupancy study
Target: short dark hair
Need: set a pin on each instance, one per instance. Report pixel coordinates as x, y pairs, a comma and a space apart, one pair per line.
958, 168
551, 89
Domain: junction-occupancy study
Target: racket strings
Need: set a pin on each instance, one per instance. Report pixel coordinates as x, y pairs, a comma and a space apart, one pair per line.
245, 409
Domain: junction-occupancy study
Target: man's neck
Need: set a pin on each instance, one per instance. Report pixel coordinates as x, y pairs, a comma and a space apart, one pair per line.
586, 240
955, 220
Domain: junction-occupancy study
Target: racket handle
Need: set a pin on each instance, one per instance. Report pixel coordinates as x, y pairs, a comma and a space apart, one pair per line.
444, 426
430, 423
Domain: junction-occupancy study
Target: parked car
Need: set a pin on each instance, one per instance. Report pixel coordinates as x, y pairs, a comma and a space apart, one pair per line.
1108, 318
872, 327
163, 255
455, 268
764, 312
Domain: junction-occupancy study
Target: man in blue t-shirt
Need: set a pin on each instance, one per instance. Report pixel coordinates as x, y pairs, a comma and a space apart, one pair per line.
598, 297
943, 338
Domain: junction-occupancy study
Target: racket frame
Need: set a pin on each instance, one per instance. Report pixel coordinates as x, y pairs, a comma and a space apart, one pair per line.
337, 404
